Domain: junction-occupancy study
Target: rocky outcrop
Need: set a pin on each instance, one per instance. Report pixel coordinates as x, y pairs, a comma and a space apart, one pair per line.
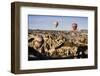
62, 44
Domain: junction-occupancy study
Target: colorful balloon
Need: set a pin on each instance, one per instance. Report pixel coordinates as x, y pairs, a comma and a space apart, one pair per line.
74, 26
56, 23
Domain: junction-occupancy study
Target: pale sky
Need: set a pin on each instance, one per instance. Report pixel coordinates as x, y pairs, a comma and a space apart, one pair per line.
44, 22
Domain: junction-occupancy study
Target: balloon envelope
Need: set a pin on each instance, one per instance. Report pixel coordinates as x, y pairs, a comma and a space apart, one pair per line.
74, 26
56, 23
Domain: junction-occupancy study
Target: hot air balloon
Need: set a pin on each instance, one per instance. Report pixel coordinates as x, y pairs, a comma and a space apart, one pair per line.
56, 23
74, 26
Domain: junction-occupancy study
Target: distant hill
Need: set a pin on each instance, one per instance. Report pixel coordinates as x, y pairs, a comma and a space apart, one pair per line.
30, 30
38, 30
84, 30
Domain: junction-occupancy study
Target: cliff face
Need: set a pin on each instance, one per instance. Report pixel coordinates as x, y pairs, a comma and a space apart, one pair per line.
62, 44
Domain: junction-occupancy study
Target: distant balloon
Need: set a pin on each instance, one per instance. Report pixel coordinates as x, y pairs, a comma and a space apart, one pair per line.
56, 23
74, 26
